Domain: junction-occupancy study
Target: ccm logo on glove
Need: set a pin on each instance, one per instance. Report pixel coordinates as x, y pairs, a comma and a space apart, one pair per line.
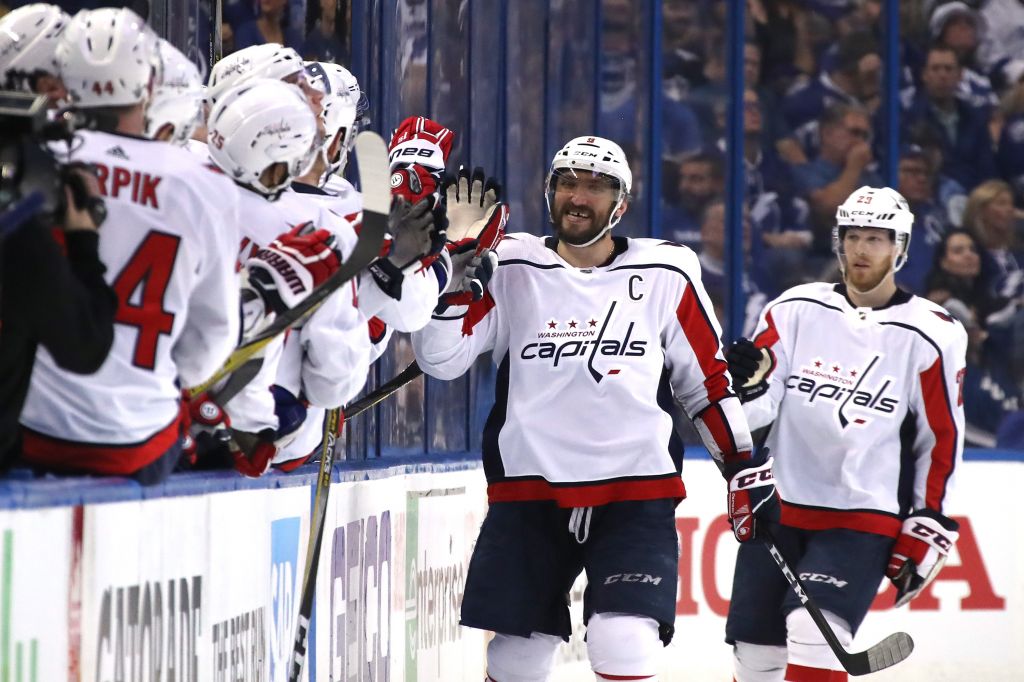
753, 479
932, 536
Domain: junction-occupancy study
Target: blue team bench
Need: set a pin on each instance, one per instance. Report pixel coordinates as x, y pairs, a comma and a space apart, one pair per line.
20, 490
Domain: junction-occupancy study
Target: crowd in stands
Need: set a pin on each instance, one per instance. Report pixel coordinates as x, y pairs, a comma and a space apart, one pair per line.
813, 133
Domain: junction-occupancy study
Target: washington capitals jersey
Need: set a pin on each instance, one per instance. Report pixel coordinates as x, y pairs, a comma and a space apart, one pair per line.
865, 407
169, 244
590, 364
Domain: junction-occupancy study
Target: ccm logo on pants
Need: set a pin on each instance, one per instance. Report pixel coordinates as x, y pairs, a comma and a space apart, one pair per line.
632, 578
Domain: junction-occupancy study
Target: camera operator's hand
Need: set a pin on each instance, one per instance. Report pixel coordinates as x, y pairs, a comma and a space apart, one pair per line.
84, 207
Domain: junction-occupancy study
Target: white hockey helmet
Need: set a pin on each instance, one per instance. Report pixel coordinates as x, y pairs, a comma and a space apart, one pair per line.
257, 124
594, 155
28, 44
881, 207
340, 106
107, 58
178, 99
268, 60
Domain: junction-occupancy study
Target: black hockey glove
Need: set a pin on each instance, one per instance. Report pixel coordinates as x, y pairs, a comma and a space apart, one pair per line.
750, 368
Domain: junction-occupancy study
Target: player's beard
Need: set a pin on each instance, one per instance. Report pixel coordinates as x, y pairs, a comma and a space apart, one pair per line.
866, 279
578, 235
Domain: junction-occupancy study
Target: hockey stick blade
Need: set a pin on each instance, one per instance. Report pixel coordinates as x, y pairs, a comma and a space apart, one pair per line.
371, 154
890, 651
384, 391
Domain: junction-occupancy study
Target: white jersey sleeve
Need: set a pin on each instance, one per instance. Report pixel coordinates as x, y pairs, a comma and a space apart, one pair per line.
938, 409
696, 363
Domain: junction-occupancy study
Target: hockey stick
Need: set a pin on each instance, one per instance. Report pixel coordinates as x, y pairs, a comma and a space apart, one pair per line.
384, 391
886, 653
317, 521
372, 157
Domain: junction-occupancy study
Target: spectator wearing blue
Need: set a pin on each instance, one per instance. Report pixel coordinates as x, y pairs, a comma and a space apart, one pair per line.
961, 28
990, 393
1010, 148
781, 233
323, 42
949, 193
713, 273
853, 79
917, 185
701, 179
843, 164
271, 26
967, 145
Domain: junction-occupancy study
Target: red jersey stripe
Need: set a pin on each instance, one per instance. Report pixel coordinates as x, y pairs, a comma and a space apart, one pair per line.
587, 495
113, 460
770, 335
939, 413
826, 519
477, 311
705, 344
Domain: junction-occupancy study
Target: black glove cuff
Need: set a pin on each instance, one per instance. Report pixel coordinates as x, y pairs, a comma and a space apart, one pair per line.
944, 521
388, 277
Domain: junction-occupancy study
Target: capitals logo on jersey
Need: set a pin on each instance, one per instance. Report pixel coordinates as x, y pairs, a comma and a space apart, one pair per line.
855, 396
587, 338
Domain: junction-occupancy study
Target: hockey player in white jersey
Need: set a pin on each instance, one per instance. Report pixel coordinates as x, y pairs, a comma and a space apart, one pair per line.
168, 243
398, 290
28, 41
175, 108
595, 338
858, 386
263, 134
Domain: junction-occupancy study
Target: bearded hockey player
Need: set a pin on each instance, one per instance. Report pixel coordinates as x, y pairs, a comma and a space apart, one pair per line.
618, 329
858, 387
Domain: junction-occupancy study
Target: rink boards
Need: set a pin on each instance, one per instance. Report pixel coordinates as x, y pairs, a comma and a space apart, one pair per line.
201, 582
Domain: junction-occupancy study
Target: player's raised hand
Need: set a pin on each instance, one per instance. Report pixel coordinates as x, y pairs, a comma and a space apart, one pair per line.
475, 212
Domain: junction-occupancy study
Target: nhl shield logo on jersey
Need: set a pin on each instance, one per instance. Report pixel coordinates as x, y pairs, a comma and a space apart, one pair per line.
587, 338
854, 397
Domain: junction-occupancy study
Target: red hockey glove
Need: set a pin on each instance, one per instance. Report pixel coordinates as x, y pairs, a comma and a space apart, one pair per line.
422, 141
253, 452
752, 498
294, 264
750, 368
209, 435
920, 552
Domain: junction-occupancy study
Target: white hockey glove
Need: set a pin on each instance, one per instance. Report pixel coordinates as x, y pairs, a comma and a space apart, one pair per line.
750, 368
920, 552
474, 212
